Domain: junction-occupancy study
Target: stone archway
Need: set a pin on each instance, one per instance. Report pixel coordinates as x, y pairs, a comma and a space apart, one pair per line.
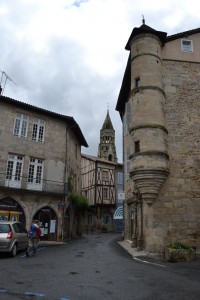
49, 223
11, 210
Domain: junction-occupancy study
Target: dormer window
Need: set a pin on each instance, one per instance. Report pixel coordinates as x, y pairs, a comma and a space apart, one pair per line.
186, 46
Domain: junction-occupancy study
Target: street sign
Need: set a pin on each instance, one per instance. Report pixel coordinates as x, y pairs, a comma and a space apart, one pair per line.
121, 196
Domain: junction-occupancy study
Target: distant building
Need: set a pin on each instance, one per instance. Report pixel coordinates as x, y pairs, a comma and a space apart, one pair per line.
98, 186
107, 148
160, 109
102, 182
39, 151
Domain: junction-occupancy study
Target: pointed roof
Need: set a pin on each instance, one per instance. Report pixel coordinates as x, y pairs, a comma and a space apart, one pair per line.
146, 29
126, 82
107, 123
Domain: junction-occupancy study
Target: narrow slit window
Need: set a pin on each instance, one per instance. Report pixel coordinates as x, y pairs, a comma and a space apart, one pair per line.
137, 146
137, 82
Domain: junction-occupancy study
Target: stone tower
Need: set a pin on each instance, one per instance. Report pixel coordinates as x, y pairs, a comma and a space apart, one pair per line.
149, 160
107, 148
160, 111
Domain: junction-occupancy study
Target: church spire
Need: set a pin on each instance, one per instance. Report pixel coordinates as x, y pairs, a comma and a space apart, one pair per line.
107, 148
107, 123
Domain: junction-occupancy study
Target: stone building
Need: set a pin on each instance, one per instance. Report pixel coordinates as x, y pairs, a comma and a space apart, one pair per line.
39, 151
107, 148
160, 109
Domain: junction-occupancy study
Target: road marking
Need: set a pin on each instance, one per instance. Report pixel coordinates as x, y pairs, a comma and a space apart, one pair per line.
34, 294
31, 294
148, 262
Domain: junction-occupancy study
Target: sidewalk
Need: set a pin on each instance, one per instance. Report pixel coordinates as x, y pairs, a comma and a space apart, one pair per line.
133, 251
192, 268
51, 243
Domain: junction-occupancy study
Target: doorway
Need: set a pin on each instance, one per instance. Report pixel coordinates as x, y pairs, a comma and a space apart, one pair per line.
48, 221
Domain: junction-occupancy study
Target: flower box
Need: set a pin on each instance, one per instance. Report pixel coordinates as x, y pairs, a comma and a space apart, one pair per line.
182, 253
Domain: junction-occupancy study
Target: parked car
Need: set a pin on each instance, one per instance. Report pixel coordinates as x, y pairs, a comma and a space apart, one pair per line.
13, 237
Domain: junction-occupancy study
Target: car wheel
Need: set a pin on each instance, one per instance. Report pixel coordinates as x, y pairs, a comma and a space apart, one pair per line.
14, 250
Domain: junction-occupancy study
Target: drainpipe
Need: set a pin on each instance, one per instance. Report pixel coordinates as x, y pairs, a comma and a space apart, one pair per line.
65, 192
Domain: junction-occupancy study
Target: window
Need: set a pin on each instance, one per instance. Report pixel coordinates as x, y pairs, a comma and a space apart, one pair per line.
137, 146
120, 178
14, 170
186, 46
105, 175
106, 218
107, 139
137, 82
21, 125
110, 158
35, 174
38, 130
105, 193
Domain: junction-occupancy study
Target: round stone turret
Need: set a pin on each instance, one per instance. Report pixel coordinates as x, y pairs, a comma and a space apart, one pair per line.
149, 160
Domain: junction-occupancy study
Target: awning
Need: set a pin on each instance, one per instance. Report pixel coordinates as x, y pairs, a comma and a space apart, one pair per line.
118, 215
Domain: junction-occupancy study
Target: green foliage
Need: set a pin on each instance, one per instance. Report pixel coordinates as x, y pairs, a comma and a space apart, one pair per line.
79, 202
179, 245
70, 184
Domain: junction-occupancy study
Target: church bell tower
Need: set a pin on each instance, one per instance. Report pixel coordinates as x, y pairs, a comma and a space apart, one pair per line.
107, 148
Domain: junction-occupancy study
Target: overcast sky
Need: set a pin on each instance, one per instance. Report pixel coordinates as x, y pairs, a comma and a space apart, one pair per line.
68, 56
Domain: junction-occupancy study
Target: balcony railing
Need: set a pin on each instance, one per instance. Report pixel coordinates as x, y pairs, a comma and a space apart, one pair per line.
22, 182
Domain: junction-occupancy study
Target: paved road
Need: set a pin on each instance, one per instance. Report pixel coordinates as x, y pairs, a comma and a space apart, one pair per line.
94, 267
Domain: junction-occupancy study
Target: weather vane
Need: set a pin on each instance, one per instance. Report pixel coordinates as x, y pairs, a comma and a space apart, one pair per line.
4, 77
143, 20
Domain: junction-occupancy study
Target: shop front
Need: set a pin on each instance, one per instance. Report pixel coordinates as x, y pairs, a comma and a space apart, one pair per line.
11, 210
49, 223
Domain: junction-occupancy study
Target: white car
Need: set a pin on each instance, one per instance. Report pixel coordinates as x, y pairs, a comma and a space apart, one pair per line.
13, 237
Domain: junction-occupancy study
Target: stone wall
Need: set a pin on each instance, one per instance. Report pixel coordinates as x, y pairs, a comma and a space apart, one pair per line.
175, 216
60, 152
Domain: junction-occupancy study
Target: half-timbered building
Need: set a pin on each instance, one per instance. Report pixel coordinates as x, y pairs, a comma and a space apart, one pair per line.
102, 182
98, 186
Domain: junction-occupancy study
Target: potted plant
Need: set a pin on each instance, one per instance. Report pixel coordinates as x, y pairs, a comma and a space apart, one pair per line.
177, 251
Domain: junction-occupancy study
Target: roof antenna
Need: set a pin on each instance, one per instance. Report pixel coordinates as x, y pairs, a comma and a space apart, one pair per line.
143, 20
4, 77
